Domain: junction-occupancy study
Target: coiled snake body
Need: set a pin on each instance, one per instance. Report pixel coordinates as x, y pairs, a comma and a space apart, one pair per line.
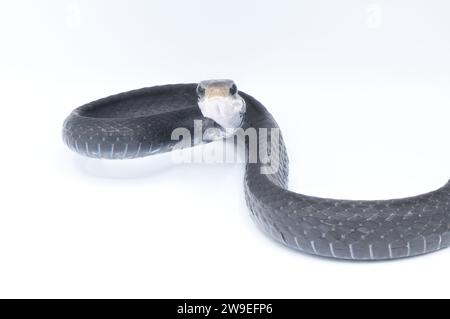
140, 123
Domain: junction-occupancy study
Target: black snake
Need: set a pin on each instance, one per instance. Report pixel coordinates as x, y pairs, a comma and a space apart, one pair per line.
141, 122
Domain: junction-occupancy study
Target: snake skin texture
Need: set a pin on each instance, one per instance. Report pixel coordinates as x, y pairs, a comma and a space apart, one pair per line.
140, 123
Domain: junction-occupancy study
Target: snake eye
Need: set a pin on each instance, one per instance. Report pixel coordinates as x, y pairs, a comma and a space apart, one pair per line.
200, 91
233, 89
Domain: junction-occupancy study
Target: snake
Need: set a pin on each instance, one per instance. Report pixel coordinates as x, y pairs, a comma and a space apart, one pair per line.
142, 122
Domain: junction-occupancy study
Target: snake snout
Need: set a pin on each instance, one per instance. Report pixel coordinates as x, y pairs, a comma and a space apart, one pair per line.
219, 100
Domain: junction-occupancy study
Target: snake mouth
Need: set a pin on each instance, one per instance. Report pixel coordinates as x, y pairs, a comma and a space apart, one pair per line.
220, 101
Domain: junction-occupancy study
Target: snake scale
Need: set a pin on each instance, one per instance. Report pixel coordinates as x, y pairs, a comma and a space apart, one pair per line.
140, 123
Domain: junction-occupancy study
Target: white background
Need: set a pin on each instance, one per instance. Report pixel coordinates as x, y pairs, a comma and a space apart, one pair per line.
360, 89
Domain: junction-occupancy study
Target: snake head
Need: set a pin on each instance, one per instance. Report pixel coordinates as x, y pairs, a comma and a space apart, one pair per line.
220, 101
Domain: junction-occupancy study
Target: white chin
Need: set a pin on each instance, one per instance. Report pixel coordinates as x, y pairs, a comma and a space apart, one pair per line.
226, 112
